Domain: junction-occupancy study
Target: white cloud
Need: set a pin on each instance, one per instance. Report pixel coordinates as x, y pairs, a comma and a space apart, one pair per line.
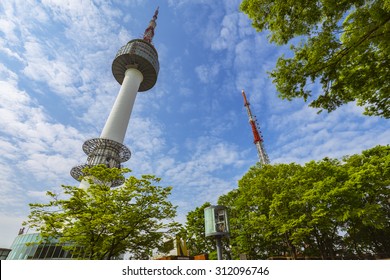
29, 138
208, 155
7, 51
228, 34
306, 135
10, 225
207, 73
10, 190
58, 73
243, 54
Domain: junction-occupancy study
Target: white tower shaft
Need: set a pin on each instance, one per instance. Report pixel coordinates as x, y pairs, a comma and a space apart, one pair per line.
118, 120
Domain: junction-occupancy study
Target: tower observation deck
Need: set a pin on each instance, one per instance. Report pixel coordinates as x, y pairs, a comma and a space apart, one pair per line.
135, 67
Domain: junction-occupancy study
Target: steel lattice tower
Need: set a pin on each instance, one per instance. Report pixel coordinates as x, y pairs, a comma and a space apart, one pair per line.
135, 67
257, 139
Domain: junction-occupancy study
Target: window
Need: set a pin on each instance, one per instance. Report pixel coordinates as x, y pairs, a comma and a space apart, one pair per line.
50, 251
56, 253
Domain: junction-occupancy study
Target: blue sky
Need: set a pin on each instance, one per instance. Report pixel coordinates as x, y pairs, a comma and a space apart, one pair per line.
191, 129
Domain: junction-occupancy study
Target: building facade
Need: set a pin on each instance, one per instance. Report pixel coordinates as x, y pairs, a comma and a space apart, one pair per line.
31, 247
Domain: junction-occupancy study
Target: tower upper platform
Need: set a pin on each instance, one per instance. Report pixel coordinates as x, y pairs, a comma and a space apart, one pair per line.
137, 54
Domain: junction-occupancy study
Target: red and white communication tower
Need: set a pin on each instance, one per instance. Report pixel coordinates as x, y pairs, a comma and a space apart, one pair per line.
263, 157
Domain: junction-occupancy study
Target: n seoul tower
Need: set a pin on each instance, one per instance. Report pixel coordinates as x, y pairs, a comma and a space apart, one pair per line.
135, 67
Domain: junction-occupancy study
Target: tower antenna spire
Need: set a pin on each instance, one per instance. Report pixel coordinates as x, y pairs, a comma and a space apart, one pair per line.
257, 139
149, 31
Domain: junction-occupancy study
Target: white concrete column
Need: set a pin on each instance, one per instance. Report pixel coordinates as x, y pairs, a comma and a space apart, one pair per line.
118, 120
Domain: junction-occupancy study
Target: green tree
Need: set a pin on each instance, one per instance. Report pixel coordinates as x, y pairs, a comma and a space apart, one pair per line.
319, 204
101, 222
327, 209
367, 221
264, 194
228, 248
194, 232
344, 45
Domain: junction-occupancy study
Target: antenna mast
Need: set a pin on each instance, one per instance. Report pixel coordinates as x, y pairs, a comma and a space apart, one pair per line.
263, 157
149, 31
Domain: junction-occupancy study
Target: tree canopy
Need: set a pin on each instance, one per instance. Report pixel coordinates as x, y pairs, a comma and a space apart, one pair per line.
101, 222
343, 45
327, 209
194, 232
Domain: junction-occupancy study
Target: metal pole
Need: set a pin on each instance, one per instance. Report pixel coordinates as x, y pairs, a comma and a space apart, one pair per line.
219, 247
